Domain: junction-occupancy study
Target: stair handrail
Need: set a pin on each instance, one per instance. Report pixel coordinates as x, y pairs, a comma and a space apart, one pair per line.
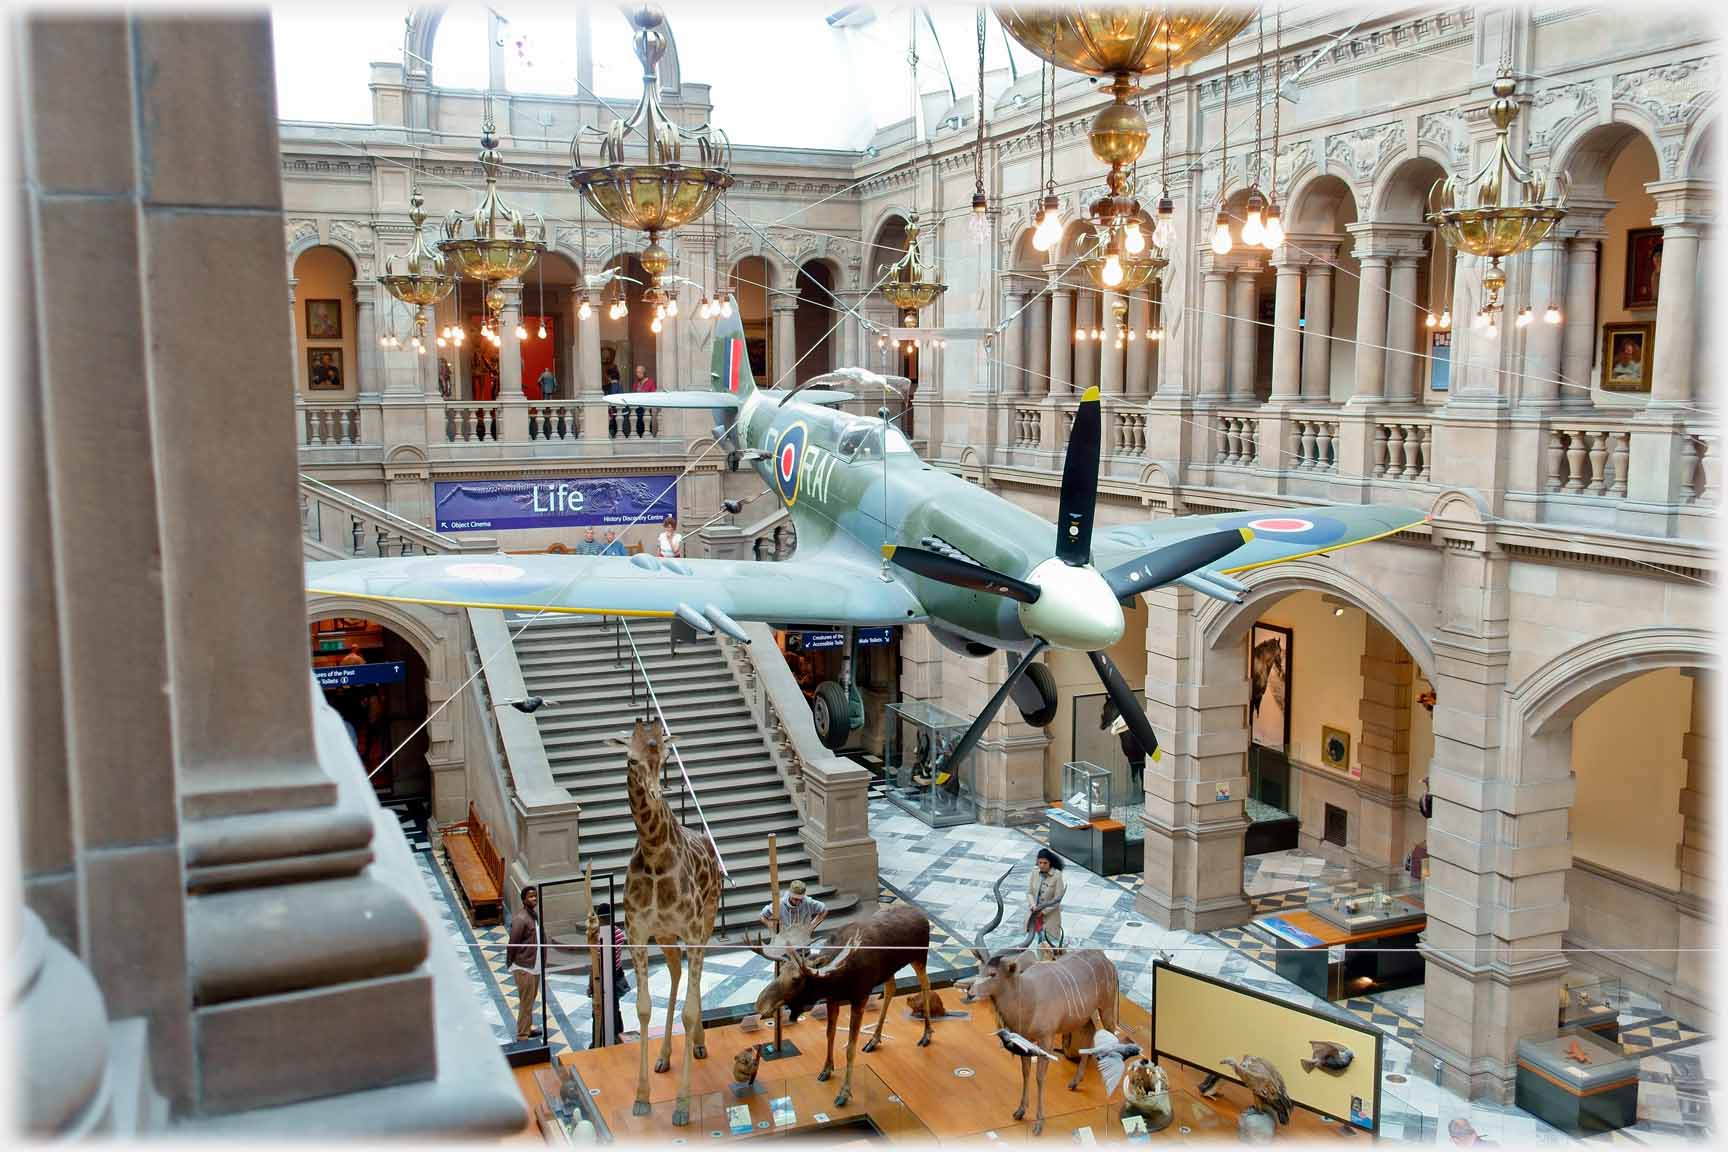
423, 535
666, 726
494, 752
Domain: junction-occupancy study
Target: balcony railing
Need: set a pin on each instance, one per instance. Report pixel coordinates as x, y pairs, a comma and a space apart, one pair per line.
1404, 450
1314, 445
1238, 439
325, 422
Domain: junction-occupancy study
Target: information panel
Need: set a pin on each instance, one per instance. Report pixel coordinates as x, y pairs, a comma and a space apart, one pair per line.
356, 675
579, 502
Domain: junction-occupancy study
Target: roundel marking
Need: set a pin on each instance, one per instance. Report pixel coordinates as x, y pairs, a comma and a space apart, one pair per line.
1281, 524
788, 457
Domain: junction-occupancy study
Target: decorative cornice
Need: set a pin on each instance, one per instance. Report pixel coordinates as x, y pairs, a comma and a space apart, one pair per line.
1445, 130
1671, 93
1555, 108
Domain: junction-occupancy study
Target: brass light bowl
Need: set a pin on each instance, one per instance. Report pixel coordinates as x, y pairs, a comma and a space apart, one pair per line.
421, 277
909, 284
492, 243
1108, 40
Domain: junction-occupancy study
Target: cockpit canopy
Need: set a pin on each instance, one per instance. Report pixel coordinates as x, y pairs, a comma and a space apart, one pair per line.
863, 440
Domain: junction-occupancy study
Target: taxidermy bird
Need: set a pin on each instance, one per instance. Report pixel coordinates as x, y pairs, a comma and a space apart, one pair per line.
1209, 1086
569, 1092
1264, 1081
533, 704
1020, 1046
1112, 1056
745, 1066
1327, 1055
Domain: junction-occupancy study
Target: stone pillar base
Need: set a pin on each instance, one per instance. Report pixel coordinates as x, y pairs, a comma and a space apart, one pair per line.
1201, 870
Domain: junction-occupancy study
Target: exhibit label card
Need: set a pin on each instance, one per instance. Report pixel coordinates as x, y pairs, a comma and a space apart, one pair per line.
738, 1119
781, 1109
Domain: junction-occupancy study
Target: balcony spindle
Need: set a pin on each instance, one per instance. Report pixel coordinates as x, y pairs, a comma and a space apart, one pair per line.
1598, 450
1394, 451
1575, 461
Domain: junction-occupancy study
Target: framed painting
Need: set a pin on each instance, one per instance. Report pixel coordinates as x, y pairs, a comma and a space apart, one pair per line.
323, 319
1440, 361
1269, 698
1643, 267
1627, 350
1335, 748
324, 369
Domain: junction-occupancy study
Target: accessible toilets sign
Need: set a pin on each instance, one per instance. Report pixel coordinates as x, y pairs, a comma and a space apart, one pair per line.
580, 502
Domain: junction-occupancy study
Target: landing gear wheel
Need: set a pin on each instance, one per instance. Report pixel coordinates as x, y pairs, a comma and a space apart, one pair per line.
1039, 679
832, 715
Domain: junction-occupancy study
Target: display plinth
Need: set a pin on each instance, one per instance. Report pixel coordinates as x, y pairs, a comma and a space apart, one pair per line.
1573, 1095
915, 752
1591, 1001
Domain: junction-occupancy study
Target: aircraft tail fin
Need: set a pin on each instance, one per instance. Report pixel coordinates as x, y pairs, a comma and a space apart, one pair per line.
730, 372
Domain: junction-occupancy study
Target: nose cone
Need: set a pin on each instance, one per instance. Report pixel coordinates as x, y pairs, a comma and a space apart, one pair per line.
1076, 609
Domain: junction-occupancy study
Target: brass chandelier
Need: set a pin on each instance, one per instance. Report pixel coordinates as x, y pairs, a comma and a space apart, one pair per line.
492, 244
1502, 209
909, 283
421, 279
1121, 43
640, 180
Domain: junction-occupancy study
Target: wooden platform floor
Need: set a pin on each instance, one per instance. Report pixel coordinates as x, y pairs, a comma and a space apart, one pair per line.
913, 1094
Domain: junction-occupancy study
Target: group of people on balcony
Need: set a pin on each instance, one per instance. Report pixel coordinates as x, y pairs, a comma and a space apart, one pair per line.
614, 386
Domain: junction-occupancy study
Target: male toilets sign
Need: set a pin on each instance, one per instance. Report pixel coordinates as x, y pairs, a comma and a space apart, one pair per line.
587, 501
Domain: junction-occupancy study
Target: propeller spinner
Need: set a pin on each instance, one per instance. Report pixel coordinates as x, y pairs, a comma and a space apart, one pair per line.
1065, 602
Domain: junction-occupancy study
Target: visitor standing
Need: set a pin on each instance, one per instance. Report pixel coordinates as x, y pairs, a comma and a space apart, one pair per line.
671, 540
797, 909
548, 384
1044, 892
644, 383
523, 957
612, 386
614, 937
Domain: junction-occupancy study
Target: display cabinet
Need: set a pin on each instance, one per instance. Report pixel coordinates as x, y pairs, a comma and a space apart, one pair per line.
1577, 1081
1590, 1001
915, 750
1086, 790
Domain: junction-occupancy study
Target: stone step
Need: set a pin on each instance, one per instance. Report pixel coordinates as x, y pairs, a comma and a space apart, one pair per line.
747, 801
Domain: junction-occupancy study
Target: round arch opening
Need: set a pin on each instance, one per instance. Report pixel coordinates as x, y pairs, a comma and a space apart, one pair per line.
375, 679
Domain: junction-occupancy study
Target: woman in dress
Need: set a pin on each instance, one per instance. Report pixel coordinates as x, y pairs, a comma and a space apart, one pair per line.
1044, 891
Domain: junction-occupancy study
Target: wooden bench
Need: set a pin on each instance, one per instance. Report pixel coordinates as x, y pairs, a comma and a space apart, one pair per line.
478, 868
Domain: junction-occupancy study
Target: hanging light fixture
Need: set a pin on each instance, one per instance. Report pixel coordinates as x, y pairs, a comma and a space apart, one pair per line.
642, 181
1503, 208
1262, 226
492, 244
978, 224
421, 278
909, 284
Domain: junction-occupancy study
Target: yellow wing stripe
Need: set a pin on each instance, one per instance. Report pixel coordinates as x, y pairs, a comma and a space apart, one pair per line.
1323, 551
650, 612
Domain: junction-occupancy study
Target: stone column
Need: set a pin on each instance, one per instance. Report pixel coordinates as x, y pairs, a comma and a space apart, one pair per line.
1140, 348
1371, 329
1578, 338
1401, 330
367, 377
1110, 357
510, 350
297, 373
1388, 825
1683, 210
784, 309
1540, 386
1086, 319
1061, 341
1287, 330
1038, 345
1317, 335
1244, 335
1012, 346
1197, 700
1696, 858
1214, 330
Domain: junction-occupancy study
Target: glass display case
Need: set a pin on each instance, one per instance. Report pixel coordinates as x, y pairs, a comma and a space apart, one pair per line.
915, 749
1577, 1081
1086, 790
1591, 1001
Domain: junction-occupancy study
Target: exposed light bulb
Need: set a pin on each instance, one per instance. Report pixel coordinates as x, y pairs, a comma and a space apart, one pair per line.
1049, 230
1133, 240
1253, 229
443, 342
1079, 333
521, 332
541, 334
672, 308
1432, 320
726, 307
1097, 333
459, 337
1551, 316
1274, 230
419, 348
584, 310
1112, 270
1446, 318
881, 341
978, 226
1524, 317
1493, 330
1161, 232
1133, 334
383, 341
1155, 334
1221, 236
654, 325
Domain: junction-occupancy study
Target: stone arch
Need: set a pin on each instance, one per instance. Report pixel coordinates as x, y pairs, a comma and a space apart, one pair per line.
1548, 699
1400, 196
1698, 150
1588, 149
405, 620
1222, 625
422, 33
1315, 204
776, 277
887, 240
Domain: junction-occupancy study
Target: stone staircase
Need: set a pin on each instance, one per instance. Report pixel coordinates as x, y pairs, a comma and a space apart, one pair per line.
576, 661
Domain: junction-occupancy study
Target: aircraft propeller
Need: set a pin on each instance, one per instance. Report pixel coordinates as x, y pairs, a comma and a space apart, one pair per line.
1075, 614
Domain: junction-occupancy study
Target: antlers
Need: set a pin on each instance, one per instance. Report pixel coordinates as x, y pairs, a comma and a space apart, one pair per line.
978, 948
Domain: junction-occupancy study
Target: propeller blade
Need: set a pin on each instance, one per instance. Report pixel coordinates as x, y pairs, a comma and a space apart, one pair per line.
1163, 565
1080, 483
1123, 696
963, 574
976, 733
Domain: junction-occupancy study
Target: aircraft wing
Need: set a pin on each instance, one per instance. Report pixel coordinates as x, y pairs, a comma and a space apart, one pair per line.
818, 590
1279, 534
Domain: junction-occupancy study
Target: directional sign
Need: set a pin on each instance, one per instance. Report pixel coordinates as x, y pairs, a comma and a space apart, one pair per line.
355, 675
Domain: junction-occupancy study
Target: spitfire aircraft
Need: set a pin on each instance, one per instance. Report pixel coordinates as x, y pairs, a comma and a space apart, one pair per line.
885, 538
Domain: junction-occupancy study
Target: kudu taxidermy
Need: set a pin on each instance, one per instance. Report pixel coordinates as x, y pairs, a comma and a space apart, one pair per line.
1044, 1001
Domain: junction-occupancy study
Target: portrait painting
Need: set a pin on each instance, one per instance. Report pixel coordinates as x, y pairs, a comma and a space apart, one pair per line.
323, 319
1627, 350
324, 369
1269, 686
1643, 267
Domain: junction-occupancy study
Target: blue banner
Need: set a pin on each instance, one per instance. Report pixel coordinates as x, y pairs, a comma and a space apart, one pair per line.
869, 636
818, 641
355, 675
587, 501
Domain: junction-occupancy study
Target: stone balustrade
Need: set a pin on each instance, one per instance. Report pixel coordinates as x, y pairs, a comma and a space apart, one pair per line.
1028, 426
1127, 433
324, 423
1698, 464
1238, 439
1403, 450
555, 421
1587, 458
466, 422
1314, 445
